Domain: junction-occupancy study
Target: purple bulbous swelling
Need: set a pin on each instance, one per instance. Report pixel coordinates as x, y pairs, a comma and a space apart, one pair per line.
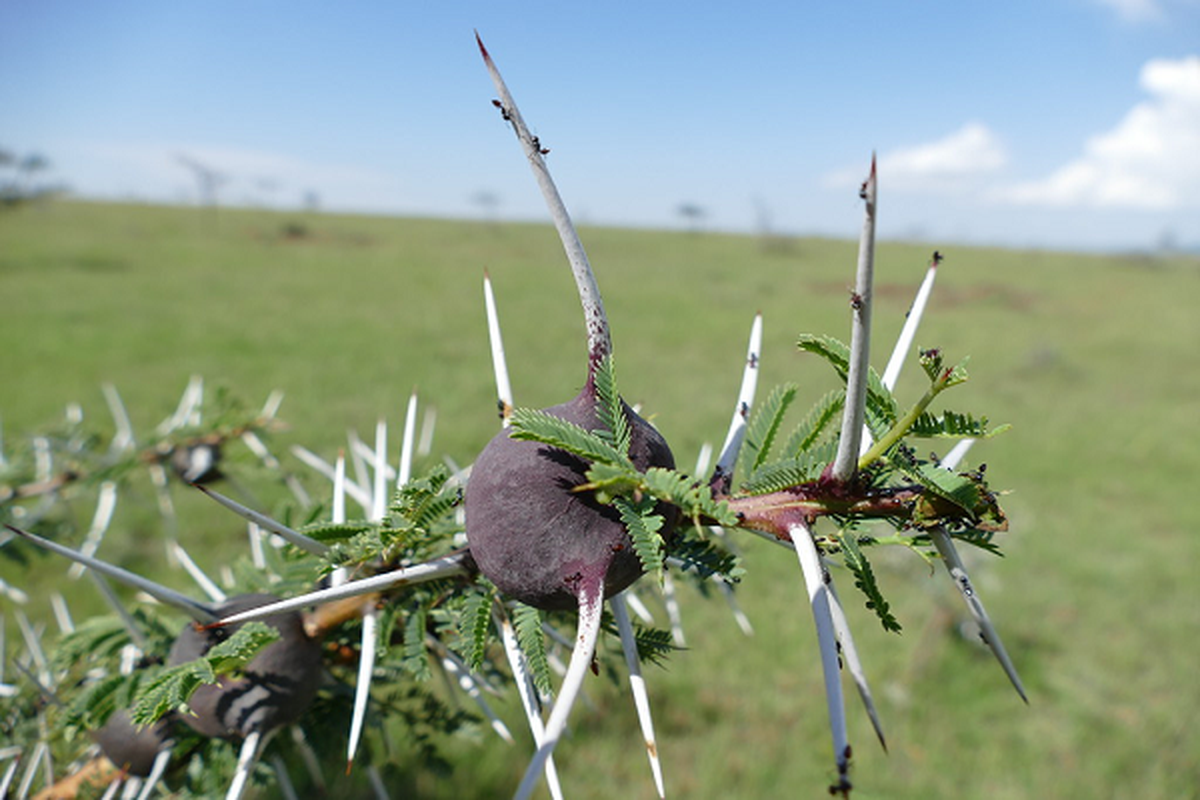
129, 748
273, 689
536, 539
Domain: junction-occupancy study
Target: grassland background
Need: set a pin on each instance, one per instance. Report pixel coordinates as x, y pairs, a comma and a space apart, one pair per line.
1092, 358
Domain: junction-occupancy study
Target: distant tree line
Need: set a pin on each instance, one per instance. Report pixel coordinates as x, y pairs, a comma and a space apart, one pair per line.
19, 177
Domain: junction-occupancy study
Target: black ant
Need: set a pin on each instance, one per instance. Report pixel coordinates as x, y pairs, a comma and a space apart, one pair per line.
504, 113
937, 258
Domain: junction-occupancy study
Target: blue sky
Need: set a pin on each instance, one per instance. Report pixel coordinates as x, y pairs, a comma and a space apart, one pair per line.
1055, 123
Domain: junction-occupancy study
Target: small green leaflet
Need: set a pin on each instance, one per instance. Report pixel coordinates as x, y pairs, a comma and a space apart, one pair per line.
474, 624
825, 411
764, 425
838, 355
527, 621
643, 526
538, 426
864, 579
953, 425
610, 408
172, 688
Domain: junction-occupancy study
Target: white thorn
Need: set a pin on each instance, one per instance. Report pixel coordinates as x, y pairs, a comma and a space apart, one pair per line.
957, 453
639, 608
322, 466
62, 614
499, 364
841, 627
106, 504
309, 757
247, 757
205, 583
362, 689
156, 772
745, 401
408, 442
419, 573
271, 407
637, 687
958, 573
469, 684
285, 781
739, 616
591, 604
339, 489
671, 601
377, 784
529, 699
135, 633
197, 610
379, 492
891, 372
123, 439
428, 425
305, 543
815, 578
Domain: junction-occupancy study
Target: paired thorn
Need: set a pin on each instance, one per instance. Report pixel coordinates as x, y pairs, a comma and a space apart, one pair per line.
201, 612
723, 472
637, 687
816, 579
452, 565
529, 698
591, 604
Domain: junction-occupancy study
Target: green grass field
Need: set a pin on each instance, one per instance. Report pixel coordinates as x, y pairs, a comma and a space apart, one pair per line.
1091, 358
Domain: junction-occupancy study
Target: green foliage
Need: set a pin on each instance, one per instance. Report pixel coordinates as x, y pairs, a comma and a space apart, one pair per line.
614, 425
173, 686
475, 624
527, 622
644, 526
705, 557
951, 424
823, 413
864, 579
779, 475
764, 425
538, 426
693, 498
879, 399
415, 657
654, 645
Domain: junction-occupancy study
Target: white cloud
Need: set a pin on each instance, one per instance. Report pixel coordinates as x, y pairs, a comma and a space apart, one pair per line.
1134, 10
948, 165
1150, 160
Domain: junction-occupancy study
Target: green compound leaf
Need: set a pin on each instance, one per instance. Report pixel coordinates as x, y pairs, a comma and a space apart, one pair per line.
864, 579
764, 425
826, 411
474, 626
780, 475
610, 409
538, 426
415, 656
527, 621
951, 424
174, 686
690, 496
643, 526
838, 355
